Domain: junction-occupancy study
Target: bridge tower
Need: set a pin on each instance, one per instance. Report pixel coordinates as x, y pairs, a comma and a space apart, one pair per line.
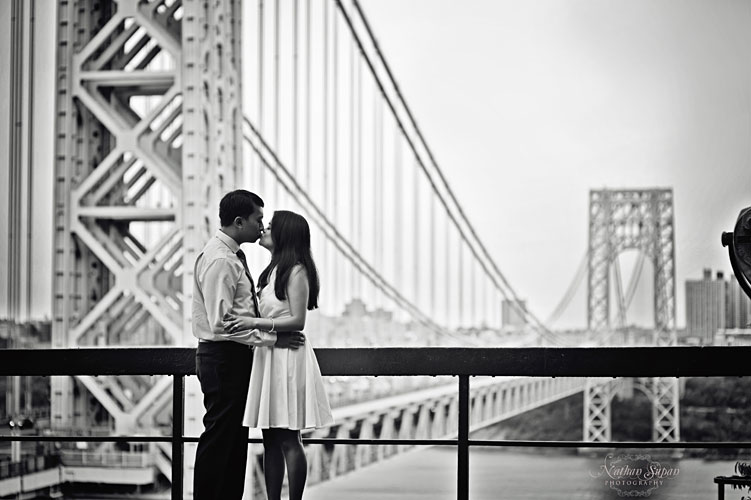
643, 220
148, 110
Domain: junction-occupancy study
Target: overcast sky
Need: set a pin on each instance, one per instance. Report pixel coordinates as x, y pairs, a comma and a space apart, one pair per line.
553, 98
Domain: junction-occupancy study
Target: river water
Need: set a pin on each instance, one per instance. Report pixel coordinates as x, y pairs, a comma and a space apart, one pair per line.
429, 473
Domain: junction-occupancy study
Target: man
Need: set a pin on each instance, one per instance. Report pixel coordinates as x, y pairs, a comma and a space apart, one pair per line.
223, 285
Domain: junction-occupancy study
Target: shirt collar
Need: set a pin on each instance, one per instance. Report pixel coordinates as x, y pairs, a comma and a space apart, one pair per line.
227, 240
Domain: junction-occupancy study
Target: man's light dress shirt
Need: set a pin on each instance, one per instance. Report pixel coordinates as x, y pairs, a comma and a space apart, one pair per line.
220, 286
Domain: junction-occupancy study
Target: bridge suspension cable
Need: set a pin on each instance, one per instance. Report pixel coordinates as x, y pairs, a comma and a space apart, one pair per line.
635, 275
616, 266
441, 187
581, 272
625, 298
339, 145
285, 178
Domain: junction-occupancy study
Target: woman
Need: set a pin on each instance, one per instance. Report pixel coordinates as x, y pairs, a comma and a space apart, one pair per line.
286, 391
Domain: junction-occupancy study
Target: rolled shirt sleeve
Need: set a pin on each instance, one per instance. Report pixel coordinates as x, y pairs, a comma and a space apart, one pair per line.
253, 337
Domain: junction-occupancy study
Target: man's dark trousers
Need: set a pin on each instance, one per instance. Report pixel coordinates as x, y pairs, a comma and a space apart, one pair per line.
223, 369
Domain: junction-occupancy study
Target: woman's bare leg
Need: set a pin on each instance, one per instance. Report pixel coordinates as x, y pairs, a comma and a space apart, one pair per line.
297, 463
273, 463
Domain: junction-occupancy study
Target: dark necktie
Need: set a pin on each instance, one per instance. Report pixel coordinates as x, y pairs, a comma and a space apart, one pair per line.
241, 255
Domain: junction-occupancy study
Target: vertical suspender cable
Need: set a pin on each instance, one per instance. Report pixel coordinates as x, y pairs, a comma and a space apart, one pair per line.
335, 153
276, 74
486, 305
432, 267
307, 95
295, 83
486, 295
262, 173
495, 304
14, 174
277, 85
376, 208
398, 226
29, 146
472, 295
351, 211
380, 202
416, 235
447, 275
381, 187
359, 244
325, 165
460, 283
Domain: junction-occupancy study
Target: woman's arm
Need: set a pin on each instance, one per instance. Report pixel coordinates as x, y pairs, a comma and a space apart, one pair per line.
297, 293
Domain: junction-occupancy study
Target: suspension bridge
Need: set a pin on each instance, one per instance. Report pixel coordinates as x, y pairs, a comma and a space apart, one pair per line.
162, 106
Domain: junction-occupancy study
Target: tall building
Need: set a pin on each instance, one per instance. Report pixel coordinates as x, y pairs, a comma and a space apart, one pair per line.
715, 307
738, 306
706, 306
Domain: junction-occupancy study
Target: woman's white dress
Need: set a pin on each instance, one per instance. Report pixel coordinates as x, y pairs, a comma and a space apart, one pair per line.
286, 388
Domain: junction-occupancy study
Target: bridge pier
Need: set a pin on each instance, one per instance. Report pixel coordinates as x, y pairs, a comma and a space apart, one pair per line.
638, 219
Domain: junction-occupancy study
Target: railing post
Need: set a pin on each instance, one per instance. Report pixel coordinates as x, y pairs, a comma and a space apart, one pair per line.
178, 417
462, 486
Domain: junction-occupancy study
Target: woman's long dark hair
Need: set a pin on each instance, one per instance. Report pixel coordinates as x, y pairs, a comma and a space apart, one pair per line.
291, 236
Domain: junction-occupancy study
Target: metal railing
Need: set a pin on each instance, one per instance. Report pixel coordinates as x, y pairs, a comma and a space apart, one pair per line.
27, 466
460, 362
78, 458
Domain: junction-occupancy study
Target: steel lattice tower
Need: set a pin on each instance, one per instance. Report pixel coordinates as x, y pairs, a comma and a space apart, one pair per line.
148, 117
643, 220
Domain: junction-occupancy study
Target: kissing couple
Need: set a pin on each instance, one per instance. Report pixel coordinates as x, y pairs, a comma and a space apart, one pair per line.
239, 326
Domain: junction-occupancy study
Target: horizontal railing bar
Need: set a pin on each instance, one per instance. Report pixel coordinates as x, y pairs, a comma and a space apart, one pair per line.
690, 361
534, 444
96, 439
168, 439
418, 442
612, 444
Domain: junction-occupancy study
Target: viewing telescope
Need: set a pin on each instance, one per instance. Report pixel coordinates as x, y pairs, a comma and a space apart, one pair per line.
739, 249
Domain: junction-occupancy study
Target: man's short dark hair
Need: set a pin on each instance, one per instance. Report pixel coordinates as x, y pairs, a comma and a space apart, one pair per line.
238, 203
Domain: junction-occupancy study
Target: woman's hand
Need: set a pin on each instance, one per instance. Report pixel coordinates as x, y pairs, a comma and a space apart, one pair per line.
234, 324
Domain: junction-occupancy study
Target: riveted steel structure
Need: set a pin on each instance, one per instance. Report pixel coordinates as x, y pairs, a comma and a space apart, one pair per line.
642, 220
147, 112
